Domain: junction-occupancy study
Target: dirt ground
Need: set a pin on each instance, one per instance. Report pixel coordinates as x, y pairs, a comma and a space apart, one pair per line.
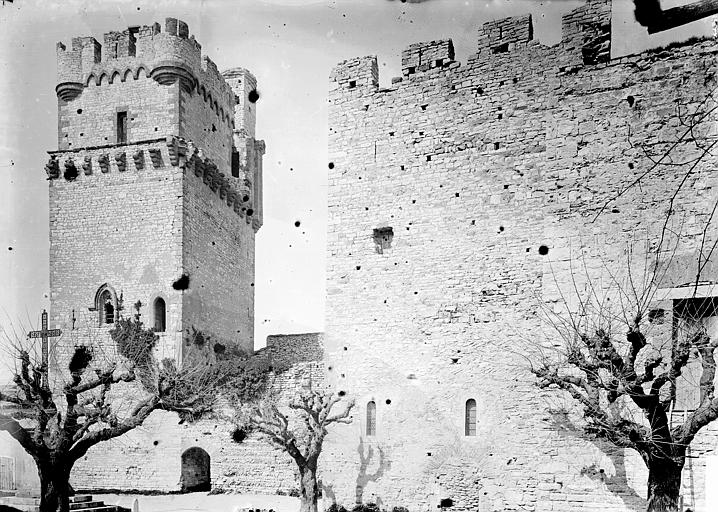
202, 502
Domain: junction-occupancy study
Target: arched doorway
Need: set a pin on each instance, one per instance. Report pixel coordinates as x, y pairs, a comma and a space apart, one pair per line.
195, 470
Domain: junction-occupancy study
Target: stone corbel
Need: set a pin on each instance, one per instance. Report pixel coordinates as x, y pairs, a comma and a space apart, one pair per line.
70, 170
173, 150
156, 157
52, 168
198, 166
231, 197
87, 165
121, 160
139, 158
223, 186
104, 161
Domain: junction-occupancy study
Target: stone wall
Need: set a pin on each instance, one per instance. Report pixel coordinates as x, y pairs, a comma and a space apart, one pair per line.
149, 458
122, 228
286, 350
218, 256
491, 175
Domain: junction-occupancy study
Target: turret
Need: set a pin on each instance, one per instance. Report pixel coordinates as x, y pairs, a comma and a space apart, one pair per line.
247, 152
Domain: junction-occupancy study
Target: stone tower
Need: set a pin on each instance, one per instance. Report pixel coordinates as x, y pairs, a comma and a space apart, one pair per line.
155, 189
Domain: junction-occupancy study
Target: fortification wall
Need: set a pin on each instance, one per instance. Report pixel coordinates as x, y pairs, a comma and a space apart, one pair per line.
150, 458
286, 350
442, 189
218, 256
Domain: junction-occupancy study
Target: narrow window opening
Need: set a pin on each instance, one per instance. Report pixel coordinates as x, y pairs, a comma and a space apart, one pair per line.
695, 316
107, 311
497, 145
411, 69
470, 418
502, 48
131, 48
122, 127
235, 163
656, 316
439, 63
160, 315
371, 418
116, 49
352, 84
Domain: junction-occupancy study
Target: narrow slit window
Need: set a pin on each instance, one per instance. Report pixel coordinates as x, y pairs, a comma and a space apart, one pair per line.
235, 164
108, 308
371, 418
470, 418
160, 315
121, 127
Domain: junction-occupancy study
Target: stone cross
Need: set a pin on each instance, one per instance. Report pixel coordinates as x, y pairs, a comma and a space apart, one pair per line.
44, 333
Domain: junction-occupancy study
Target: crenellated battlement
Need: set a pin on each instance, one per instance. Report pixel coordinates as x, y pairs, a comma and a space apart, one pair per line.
167, 57
507, 34
426, 56
586, 41
359, 72
151, 155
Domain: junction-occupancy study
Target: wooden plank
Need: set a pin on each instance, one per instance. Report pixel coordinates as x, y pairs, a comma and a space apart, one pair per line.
650, 14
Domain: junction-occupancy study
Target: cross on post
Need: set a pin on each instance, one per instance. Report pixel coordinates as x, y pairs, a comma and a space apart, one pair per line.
44, 333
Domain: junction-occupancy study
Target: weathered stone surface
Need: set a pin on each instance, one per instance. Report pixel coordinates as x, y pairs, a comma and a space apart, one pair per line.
152, 111
475, 167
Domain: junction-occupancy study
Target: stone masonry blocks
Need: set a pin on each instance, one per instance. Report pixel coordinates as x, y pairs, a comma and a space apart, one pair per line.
476, 167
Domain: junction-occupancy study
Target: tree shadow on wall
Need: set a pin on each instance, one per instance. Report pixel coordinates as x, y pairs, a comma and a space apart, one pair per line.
617, 484
363, 478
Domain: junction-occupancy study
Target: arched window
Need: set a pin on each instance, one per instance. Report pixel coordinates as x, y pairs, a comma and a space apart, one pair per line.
371, 419
470, 418
106, 305
160, 315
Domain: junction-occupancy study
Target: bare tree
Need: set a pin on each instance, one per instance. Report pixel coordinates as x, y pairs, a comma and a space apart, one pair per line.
605, 350
97, 398
301, 437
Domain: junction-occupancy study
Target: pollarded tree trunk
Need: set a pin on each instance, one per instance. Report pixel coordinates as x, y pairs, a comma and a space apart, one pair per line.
309, 488
664, 485
54, 485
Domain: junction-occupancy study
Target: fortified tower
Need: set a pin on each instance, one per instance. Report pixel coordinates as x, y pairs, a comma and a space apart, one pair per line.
155, 189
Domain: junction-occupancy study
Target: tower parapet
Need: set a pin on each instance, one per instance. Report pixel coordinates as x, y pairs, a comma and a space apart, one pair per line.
166, 56
586, 41
426, 56
157, 83
507, 34
587, 31
360, 73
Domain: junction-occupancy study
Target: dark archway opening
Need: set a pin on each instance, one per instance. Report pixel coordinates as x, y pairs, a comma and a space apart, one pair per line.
195, 470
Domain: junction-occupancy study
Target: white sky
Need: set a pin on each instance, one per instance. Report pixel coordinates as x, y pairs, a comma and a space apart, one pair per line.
290, 46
